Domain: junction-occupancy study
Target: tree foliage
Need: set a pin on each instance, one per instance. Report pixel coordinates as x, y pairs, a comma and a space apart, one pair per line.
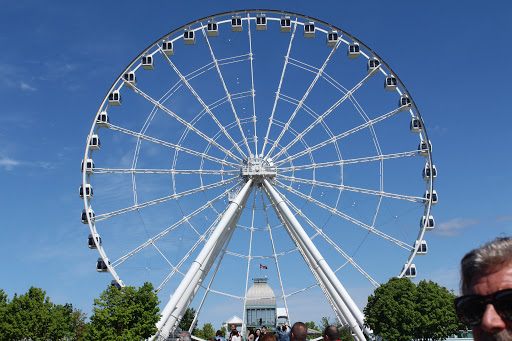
205, 333
187, 319
124, 314
398, 310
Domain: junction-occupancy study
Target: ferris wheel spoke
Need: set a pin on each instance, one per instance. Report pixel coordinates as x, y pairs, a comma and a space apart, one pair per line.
335, 211
337, 163
320, 118
228, 95
219, 172
170, 228
417, 200
176, 147
278, 92
333, 244
304, 97
187, 124
339, 136
164, 199
252, 88
208, 110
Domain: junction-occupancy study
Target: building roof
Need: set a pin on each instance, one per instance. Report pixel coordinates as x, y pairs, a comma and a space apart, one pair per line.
260, 294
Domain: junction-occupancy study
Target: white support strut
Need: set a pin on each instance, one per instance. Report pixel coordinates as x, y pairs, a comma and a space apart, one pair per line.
327, 276
188, 287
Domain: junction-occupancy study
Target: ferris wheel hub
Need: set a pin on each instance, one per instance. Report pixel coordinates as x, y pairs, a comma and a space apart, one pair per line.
258, 168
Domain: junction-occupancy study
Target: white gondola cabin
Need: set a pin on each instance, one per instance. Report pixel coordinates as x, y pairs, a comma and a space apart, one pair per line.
147, 63
261, 22
332, 38
101, 266
421, 247
236, 23
168, 48
390, 83
94, 143
426, 197
410, 272
129, 79
286, 24
353, 51
116, 284
89, 212
423, 148
189, 37
90, 241
428, 224
373, 64
309, 30
212, 28
88, 191
89, 166
404, 103
102, 120
114, 98
415, 125
429, 172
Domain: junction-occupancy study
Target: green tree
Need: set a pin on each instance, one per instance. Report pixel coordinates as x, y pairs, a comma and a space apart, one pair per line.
345, 335
187, 319
79, 325
438, 319
124, 314
208, 331
391, 311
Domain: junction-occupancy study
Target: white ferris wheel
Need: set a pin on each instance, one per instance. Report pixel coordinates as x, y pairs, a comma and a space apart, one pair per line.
250, 138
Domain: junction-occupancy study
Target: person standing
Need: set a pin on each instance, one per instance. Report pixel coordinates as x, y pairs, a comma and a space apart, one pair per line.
299, 332
486, 286
234, 335
331, 333
283, 332
218, 336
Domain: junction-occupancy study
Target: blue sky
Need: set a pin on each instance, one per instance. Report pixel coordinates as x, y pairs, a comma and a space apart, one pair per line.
58, 63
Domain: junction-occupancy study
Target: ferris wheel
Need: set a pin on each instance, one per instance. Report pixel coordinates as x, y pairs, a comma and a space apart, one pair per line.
250, 139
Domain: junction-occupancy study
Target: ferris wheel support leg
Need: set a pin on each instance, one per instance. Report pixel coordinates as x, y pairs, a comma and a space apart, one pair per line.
190, 283
326, 274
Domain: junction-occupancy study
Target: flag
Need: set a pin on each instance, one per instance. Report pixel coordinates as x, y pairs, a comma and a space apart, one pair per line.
263, 267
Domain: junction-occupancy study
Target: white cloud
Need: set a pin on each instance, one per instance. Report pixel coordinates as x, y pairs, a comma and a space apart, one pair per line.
503, 218
453, 227
8, 163
27, 87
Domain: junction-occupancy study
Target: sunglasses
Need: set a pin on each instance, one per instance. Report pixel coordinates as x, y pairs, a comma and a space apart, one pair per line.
471, 308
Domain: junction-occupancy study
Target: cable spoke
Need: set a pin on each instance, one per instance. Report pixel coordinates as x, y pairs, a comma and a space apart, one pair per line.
353, 189
164, 199
173, 146
335, 211
252, 86
339, 136
164, 171
184, 80
228, 95
313, 83
348, 161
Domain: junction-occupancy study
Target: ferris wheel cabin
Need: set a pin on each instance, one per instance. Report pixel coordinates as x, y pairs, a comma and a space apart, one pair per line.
309, 30
415, 125
102, 120
114, 98
90, 241
189, 37
101, 266
423, 148
332, 38
116, 284
426, 197
429, 172
89, 166
428, 224
129, 79
373, 64
421, 248
286, 24
261, 22
236, 24
84, 215
353, 51
404, 103
212, 28
168, 48
147, 63
88, 191
410, 272
390, 83
94, 143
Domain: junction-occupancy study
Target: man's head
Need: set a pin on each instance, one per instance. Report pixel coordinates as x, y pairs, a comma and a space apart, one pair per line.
185, 336
331, 333
233, 327
485, 273
299, 332
264, 330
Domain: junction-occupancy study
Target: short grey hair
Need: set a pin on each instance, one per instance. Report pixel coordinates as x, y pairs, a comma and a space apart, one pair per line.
185, 336
483, 260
